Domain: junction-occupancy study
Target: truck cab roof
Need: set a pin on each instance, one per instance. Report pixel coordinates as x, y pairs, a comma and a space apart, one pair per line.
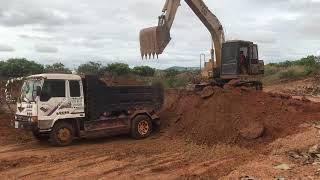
238, 41
56, 76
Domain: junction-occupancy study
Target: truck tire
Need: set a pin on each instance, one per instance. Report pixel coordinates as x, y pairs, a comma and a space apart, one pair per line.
40, 136
141, 127
62, 134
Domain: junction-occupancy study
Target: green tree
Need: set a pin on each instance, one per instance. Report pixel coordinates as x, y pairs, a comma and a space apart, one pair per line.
171, 73
307, 61
2, 63
57, 68
90, 68
20, 67
144, 71
117, 69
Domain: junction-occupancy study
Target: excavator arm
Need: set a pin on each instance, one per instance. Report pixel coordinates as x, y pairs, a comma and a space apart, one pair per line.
154, 40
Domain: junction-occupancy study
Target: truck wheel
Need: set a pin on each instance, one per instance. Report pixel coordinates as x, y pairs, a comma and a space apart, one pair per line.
40, 137
141, 127
62, 134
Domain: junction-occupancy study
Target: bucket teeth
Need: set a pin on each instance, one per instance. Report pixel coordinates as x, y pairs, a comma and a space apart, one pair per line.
153, 41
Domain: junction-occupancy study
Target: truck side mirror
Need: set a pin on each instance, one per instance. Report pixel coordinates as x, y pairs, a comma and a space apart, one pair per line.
38, 91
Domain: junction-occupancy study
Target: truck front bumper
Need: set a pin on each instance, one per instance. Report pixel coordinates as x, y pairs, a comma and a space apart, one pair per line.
23, 122
24, 125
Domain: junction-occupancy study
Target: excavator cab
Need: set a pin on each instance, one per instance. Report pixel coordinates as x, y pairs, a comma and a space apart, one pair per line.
231, 66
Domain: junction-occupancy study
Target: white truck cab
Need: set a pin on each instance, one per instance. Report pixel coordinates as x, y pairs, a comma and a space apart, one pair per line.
61, 98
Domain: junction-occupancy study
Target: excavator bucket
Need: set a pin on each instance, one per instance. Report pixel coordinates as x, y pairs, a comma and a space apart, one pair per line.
153, 41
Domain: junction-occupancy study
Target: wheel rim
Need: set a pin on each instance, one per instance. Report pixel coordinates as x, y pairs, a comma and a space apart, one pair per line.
64, 134
143, 127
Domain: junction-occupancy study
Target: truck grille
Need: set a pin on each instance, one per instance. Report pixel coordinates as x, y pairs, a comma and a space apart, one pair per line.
22, 118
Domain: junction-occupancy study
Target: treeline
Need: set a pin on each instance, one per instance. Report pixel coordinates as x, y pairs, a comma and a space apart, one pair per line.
291, 70
114, 69
306, 61
20, 67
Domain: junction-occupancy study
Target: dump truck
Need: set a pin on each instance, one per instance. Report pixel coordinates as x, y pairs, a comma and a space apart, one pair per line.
59, 108
225, 64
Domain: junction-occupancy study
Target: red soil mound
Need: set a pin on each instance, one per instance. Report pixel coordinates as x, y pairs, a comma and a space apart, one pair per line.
236, 116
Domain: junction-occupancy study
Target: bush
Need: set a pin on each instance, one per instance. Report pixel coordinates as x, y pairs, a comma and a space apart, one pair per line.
90, 68
144, 71
13, 68
171, 73
307, 61
270, 70
295, 72
57, 68
116, 69
298, 69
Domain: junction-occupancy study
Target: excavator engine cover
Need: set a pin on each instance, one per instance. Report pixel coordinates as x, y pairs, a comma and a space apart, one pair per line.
153, 41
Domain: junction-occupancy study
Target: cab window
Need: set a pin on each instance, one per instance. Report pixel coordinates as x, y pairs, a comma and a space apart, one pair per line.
52, 88
74, 89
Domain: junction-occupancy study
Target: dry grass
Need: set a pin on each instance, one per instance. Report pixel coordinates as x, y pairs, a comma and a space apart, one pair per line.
275, 74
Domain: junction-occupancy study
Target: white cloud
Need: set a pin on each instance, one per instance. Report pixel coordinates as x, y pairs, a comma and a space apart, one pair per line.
45, 49
108, 30
6, 48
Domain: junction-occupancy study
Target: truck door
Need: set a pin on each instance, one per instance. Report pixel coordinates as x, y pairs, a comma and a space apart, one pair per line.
76, 98
52, 98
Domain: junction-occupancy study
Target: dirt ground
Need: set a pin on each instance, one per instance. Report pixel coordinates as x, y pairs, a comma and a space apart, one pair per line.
271, 136
308, 88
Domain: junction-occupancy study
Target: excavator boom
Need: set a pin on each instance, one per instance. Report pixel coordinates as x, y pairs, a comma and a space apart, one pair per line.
154, 40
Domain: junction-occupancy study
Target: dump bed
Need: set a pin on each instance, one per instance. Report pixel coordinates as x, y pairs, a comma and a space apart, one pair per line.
101, 98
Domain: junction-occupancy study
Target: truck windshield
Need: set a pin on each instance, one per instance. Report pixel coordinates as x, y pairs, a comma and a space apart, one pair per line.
28, 90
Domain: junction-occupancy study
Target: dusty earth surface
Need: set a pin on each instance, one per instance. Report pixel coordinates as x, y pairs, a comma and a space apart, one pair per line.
227, 134
307, 88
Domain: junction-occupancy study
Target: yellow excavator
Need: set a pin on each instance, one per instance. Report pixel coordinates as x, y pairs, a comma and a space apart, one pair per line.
230, 60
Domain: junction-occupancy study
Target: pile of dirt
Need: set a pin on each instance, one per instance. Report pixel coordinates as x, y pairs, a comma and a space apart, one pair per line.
235, 115
129, 80
9, 135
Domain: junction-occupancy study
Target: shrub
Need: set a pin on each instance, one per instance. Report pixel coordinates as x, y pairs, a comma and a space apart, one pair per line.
144, 71
90, 68
117, 69
13, 68
295, 72
57, 68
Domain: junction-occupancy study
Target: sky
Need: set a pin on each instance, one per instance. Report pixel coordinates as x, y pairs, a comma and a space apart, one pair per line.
75, 32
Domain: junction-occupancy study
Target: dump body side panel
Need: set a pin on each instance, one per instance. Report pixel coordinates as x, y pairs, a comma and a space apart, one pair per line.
100, 98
